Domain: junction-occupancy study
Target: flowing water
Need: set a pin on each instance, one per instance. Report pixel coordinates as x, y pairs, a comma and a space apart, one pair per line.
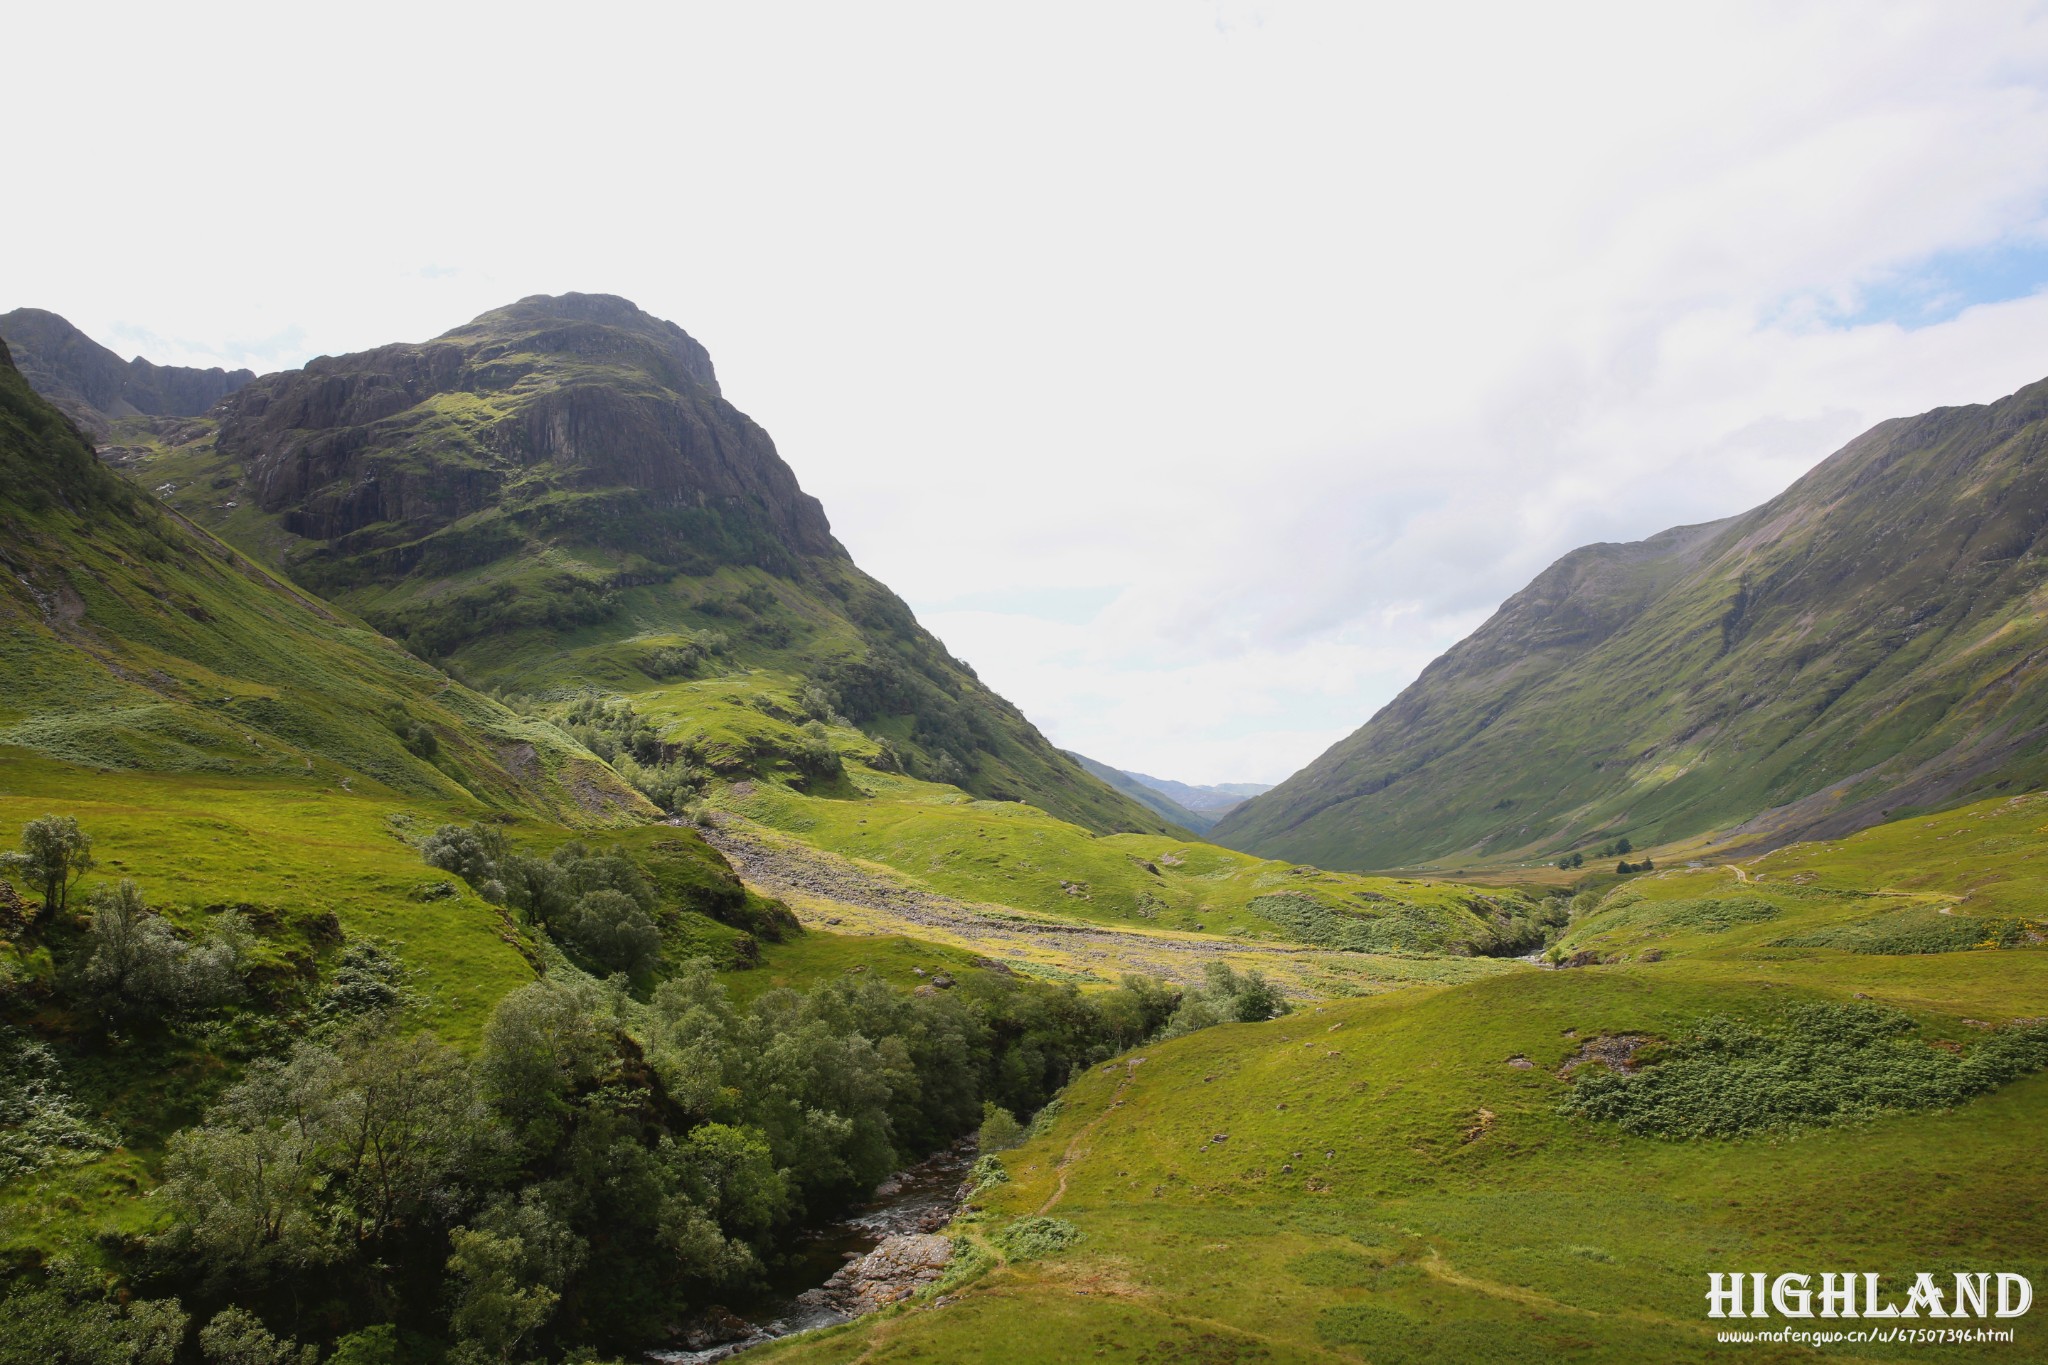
923, 1198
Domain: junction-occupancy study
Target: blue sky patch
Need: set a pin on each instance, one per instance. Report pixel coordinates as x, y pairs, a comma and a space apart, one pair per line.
1937, 288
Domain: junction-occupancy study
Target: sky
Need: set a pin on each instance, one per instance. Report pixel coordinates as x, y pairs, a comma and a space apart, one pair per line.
1198, 370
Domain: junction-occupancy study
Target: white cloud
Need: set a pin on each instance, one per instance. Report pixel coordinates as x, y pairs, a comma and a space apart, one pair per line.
1301, 335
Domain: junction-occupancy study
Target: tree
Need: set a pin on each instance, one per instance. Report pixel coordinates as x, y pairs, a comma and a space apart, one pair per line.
238, 1337
495, 1308
612, 931
541, 1043
1000, 1130
1622, 845
55, 853
139, 963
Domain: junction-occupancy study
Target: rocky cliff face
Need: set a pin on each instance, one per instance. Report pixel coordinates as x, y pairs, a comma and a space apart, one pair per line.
95, 387
556, 496
1868, 642
523, 411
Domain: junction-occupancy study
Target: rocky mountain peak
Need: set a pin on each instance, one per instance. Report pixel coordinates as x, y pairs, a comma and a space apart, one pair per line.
95, 387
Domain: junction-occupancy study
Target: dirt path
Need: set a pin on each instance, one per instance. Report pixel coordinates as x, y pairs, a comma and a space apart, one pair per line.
828, 890
1073, 1152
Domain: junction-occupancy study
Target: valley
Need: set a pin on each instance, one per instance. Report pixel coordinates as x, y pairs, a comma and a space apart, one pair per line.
518, 781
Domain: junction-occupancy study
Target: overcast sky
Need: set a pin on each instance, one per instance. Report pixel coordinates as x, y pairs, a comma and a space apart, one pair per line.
1198, 371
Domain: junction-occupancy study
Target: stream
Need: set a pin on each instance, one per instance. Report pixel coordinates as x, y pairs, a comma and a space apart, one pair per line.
806, 1289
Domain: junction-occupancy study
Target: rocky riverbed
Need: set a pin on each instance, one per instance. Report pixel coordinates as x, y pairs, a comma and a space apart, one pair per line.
877, 1256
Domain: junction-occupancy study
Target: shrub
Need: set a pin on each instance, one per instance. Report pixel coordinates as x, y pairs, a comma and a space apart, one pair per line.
1820, 1064
1000, 1130
1225, 997
139, 964
366, 980
1027, 1239
984, 1175
610, 929
40, 1125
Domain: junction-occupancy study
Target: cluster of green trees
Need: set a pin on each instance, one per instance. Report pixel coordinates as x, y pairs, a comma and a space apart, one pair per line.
1622, 845
1624, 868
607, 1159
601, 1164
598, 904
683, 660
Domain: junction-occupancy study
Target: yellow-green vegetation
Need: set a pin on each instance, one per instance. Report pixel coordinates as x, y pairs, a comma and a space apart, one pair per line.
1011, 854
1496, 1170
1967, 878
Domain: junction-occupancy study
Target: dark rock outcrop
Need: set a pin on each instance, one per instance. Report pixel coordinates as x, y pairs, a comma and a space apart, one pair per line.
581, 394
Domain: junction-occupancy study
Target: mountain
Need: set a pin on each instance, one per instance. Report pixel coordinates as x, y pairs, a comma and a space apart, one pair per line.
1193, 808
557, 497
97, 388
1150, 797
1213, 801
1869, 643
130, 640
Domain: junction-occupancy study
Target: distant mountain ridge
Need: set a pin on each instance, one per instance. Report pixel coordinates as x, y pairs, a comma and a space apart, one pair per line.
1869, 642
1192, 808
1214, 799
95, 387
557, 497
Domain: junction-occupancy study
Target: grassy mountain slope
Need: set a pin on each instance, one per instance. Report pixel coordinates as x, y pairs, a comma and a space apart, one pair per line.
1402, 1178
1144, 795
133, 641
555, 494
1869, 642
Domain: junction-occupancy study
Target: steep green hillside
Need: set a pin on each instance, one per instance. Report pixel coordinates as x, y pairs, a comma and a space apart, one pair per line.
1144, 795
556, 496
1868, 642
130, 640
1547, 1165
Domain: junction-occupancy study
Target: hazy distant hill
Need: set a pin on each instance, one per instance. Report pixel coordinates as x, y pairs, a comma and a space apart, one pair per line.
1869, 642
1151, 797
1213, 800
95, 387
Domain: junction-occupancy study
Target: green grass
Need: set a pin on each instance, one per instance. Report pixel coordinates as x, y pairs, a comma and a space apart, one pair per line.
1454, 1196
1010, 854
1386, 1178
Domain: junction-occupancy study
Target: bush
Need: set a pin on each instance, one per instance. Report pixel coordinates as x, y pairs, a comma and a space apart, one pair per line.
984, 1175
1000, 1130
610, 929
1820, 1064
1027, 1239
140, 965
1225, 997
40, 1125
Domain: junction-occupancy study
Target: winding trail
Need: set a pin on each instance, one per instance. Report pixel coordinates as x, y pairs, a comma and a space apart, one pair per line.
1073, 1152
